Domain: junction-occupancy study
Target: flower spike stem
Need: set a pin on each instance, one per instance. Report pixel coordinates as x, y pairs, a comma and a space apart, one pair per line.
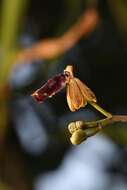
101, 110
81, 130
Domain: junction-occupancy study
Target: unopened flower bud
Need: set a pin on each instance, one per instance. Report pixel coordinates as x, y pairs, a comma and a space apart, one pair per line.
73, 126
78, 137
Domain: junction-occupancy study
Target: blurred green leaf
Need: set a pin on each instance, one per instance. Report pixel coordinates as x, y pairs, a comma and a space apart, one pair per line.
117, 132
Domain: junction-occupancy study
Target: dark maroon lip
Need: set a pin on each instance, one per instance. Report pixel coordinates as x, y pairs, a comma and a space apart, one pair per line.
38, 97
51, 87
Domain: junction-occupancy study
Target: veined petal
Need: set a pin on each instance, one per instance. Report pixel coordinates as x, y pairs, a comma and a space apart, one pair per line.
75, 95
69, 100
86, 92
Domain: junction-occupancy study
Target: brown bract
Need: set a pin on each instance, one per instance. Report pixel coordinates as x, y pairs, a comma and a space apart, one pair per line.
78, 94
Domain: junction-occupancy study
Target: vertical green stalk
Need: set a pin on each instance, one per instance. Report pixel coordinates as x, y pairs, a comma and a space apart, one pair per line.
12, 11
11, 14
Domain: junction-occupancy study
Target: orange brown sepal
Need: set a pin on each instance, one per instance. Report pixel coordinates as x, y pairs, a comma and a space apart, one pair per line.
78, 94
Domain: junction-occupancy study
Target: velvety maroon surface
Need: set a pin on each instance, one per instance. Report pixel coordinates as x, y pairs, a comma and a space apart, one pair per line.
51, 87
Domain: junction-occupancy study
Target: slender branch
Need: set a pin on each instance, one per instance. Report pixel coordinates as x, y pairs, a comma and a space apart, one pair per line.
57, 46
107, 121
101, 110
81, 130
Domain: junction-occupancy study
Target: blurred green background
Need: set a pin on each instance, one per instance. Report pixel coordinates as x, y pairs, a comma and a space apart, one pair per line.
35, 151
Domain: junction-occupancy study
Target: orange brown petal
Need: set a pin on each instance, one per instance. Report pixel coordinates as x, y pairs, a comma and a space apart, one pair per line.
75, 95
69, 100
86, 92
